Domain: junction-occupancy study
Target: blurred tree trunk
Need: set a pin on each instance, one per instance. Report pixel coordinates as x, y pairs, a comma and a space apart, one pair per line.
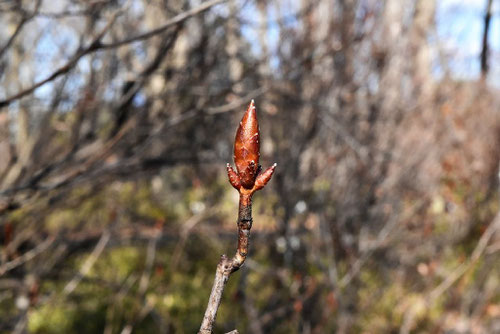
264, 68
232, 46
423, 24
485, 47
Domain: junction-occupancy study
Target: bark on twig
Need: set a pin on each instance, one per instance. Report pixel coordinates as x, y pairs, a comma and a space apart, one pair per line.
228, 266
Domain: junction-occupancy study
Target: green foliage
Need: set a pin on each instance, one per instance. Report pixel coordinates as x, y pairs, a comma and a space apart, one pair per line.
109, 295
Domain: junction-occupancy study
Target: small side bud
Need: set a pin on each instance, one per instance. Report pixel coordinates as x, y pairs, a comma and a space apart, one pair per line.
264, 178
234, 179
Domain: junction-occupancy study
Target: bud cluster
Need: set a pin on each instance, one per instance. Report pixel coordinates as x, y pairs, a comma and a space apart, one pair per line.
248, 177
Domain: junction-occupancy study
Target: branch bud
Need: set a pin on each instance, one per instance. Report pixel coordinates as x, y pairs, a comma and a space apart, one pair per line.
246, 148
248, 177
264, 178
234, 179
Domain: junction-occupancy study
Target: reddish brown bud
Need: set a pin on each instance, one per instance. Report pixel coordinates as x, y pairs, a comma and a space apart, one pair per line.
246, 148
234, 179
248, 177
264, 178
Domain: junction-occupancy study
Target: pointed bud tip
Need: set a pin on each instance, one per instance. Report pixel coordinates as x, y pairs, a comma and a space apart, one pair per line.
251, 111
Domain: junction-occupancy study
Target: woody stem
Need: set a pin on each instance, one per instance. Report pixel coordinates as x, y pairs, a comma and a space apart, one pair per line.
244, 226
227, 266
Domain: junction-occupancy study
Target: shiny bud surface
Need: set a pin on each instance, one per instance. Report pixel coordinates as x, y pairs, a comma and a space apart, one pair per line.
246, 148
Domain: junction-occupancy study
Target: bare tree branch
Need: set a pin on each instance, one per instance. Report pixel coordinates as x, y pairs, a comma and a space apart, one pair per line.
459, 271
25, 19
96, 45
88, 264
28, 256
170, 23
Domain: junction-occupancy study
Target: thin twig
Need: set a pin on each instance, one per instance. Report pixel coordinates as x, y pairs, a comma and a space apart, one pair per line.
144, 283
228, 266
480, 248
26, 18
238, 102
170, 23
29, 255
88, 264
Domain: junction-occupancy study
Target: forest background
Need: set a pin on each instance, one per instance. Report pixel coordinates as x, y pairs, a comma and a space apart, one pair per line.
117, 119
